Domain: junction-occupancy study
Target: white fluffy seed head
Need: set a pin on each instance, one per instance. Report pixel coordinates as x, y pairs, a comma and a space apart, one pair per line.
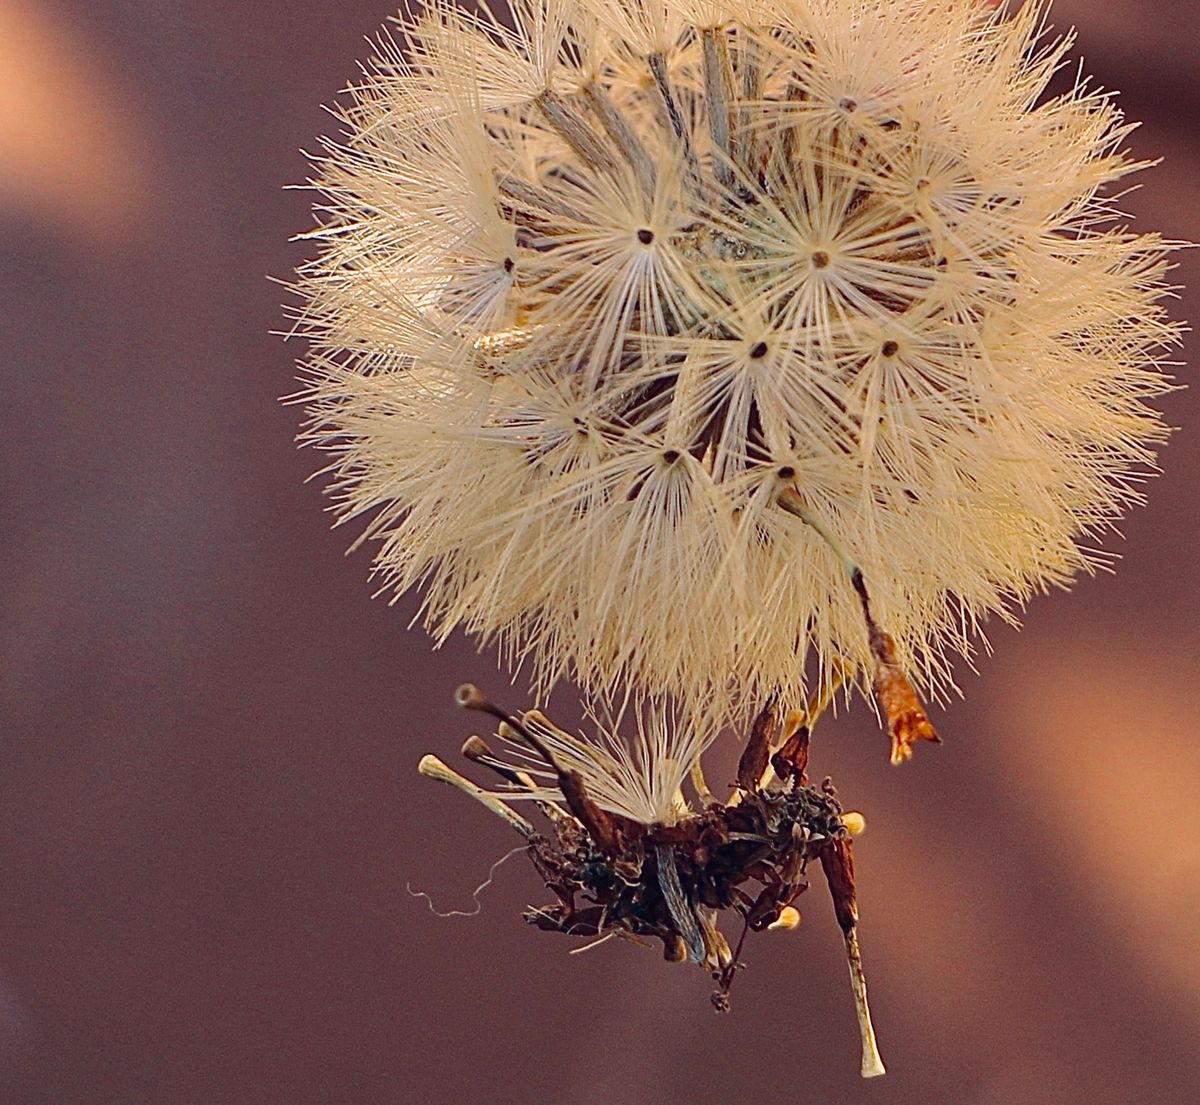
599, 281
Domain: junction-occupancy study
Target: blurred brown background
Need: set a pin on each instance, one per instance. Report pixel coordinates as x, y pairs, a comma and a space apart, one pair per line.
208, 804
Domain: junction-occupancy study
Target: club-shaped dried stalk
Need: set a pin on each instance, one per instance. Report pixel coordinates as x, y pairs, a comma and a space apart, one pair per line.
837, 861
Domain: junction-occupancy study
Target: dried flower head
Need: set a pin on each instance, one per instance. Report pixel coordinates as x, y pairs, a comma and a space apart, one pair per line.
604, 287
634, 871
680, 346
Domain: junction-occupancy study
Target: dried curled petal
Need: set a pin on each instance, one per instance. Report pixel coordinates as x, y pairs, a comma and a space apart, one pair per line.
906, 719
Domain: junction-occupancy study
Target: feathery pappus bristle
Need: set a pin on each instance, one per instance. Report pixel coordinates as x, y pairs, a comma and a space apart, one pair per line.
639, 776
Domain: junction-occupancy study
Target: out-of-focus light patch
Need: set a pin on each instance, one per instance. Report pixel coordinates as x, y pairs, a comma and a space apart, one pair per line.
939, 925
69, 151
1030, 1081
1104, 742
15, 1022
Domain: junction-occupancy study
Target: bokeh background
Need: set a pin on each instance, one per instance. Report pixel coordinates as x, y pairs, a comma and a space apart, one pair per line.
209, 812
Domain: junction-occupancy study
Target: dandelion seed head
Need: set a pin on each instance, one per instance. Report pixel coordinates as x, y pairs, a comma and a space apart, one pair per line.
598, 282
